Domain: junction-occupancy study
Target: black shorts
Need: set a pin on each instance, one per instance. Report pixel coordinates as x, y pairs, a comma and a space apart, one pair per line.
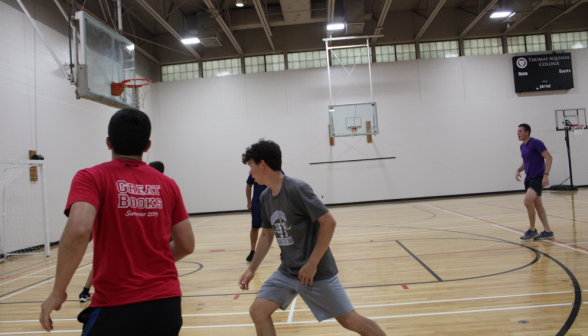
536, 183
158, 318
255, 215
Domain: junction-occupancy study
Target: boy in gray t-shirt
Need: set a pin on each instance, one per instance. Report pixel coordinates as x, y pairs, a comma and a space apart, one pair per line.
303, 227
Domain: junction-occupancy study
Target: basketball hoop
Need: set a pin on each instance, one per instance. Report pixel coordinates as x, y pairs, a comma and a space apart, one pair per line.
138, 95
578, 129
353, 130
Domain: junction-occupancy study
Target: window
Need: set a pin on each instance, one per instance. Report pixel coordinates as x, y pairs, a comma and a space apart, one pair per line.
399, 52
487, 46
179, 72
444, 49
267, 63
221, 68
307, 60
517, 44
576, 40
350, 56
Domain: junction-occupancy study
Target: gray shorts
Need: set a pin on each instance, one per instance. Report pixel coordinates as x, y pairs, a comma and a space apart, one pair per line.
326, 298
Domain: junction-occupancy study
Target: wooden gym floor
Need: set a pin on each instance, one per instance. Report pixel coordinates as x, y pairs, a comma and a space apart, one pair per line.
443, 267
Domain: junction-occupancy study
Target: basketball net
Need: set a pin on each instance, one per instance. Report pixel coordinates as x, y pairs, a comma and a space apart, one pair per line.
578, 129
353, 130
135, 89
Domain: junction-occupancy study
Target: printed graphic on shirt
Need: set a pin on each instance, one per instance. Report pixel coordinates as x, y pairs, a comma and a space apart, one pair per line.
138, 196
282, 228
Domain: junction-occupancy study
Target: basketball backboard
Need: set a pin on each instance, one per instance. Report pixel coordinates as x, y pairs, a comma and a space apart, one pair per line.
362, 117
103, 57
569, 117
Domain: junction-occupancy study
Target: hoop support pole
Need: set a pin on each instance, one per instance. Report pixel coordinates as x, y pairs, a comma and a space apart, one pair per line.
45, 212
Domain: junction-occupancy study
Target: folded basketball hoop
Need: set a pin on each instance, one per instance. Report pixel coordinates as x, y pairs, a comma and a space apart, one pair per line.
578, 129
136, 96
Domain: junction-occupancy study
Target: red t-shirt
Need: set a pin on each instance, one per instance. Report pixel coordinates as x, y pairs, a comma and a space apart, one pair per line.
136, 208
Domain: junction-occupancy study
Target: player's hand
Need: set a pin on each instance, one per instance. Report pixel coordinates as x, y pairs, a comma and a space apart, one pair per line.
245, 279
545, 181
518, 176
53, 302
306, 274
249, 206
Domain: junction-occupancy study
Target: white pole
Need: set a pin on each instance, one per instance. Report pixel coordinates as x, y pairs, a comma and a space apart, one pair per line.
329, 72
45, 211
119, 13
42, 38
367, 40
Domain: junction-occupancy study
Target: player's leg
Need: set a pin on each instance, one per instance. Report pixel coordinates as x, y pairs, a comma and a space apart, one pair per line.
85, 294
529, 200
255, 226
360, 324
278, 291
547, 233
261, 313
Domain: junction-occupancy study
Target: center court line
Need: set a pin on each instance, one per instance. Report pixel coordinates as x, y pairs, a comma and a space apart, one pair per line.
455, 213
330, 320
37, 285
206, 220
292, 307
368, 306
519, 232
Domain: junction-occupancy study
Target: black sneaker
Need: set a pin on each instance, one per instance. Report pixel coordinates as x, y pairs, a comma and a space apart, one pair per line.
85, 297
545, 235
250, 257
529, 235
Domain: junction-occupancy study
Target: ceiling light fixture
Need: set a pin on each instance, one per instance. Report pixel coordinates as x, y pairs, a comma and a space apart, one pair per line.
239, 3
335, 26
130, 47
500, 14
191, 40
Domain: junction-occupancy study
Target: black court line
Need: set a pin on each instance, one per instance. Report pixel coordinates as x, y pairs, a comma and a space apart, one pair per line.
420, 262
357, 160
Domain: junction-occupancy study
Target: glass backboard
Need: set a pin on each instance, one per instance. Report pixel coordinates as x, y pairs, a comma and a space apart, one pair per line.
569, 117
362, 117
104, 57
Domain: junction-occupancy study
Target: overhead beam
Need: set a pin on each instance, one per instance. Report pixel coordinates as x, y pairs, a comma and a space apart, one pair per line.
478, 18
221, 22
430, 19
169, 28
264, 22
382, 19
513, 26
562, 14
138, 19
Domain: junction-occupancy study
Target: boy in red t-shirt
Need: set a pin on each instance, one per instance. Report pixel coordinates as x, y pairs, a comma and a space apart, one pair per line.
131, 210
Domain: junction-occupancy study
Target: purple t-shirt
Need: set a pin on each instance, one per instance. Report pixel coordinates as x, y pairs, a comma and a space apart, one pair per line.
534, 162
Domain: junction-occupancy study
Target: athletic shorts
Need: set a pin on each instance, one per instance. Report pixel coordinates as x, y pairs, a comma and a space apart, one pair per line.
157, 318
536, 183
255, 215
326, 298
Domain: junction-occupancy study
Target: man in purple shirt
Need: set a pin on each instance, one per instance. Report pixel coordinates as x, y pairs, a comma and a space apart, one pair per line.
536, 164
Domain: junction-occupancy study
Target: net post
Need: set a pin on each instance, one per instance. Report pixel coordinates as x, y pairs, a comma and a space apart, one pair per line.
45, 211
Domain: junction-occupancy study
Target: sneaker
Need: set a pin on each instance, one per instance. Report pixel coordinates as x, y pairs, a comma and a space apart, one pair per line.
545, 235
250, 257
529, 235
85, 297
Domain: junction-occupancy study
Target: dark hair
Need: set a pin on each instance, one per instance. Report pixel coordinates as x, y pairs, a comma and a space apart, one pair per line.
265, 150
129, 130
526, 127
158, 165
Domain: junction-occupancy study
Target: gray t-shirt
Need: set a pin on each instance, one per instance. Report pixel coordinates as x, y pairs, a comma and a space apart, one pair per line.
293, 215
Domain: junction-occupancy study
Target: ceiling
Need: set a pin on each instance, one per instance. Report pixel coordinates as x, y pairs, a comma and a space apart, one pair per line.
277, 26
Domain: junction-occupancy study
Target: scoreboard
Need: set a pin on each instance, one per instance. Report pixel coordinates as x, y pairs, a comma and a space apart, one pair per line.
543, 72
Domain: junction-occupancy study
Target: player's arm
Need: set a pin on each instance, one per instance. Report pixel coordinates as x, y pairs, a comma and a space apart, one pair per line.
248, 194
263, 246
183, 243
72, 246
519, 170
326, 230
548, 162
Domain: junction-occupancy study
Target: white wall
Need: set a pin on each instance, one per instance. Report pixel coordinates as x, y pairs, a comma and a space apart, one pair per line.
70, 133
451, 123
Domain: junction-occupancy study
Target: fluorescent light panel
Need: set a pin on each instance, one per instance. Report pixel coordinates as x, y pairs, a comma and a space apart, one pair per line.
191, 40
335, 26
131, 47
497, 15
239, 3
